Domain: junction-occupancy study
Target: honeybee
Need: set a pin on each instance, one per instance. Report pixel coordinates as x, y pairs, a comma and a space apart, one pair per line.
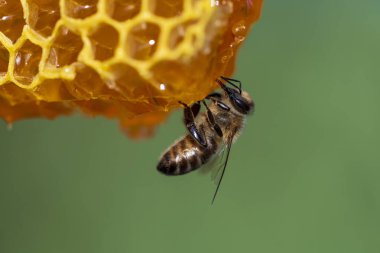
211, 133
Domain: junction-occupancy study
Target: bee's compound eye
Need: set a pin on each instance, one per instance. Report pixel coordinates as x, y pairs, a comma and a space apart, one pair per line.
241, 104
223, 106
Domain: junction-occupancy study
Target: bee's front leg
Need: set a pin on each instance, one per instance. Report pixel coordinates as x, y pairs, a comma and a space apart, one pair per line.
230, 81
211, 119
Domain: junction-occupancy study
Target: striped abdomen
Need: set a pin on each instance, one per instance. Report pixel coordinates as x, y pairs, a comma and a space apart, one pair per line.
186, 155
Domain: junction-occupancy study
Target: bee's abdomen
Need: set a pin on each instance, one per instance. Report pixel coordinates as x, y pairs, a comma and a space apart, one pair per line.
185, 156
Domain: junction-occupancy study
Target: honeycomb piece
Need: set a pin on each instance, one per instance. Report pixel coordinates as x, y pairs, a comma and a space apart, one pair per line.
43, 15
166, 8
142, 41
11, 19
4, 60
122, 10
80, 8
27, 60
104, 40
130, 60
64, 49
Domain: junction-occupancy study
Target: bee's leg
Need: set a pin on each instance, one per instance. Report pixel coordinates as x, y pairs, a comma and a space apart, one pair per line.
195, 108
214, 95
230, 80
189, 114
211, 119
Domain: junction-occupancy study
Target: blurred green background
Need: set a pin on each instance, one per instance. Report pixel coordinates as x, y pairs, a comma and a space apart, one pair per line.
304, 176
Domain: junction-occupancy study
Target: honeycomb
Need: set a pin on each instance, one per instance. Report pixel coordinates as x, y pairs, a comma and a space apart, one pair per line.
130, 60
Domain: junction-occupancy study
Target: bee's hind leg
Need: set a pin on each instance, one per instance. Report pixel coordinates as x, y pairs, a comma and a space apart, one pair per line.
189, 114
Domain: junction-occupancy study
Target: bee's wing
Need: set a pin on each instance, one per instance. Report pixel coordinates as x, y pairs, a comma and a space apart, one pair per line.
218, 174
217, 164
213, 166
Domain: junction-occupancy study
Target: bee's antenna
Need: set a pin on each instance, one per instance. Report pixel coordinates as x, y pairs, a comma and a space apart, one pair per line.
224, 169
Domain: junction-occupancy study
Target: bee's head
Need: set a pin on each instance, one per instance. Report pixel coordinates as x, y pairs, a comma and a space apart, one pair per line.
242, 102
248, 101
